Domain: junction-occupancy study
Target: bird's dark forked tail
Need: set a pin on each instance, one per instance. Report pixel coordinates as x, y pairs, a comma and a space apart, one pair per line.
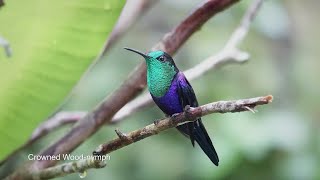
200, 135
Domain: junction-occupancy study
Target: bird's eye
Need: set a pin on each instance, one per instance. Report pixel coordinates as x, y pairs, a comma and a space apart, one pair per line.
161, 58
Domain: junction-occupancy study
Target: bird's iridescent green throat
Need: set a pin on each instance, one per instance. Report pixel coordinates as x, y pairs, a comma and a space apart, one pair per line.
161, 70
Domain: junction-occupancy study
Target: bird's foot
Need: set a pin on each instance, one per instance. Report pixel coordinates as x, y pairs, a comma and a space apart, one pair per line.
187, 108
174, 116
187, 111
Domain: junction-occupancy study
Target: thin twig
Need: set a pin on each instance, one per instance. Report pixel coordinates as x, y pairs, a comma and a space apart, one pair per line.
59, 119
126, 139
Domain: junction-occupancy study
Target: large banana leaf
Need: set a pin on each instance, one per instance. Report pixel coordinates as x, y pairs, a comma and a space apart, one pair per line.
53, 43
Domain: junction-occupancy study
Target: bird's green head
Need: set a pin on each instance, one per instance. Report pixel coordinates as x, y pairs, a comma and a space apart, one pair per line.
161, 69
158, 60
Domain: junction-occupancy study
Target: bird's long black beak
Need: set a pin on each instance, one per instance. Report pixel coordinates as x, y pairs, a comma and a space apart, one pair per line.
138, 52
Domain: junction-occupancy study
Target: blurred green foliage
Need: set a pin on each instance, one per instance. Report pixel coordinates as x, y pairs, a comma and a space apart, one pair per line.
53, 42
281, 141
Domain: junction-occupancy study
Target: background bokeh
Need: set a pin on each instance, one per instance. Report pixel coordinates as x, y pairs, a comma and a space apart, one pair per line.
281, 141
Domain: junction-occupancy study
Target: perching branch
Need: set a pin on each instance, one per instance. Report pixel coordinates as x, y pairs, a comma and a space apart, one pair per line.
123, 140
191, 114
131, 87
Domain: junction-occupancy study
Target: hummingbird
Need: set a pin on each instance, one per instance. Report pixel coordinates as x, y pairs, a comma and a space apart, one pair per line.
171, 91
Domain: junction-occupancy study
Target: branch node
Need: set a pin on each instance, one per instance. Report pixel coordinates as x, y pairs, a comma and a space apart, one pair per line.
156, 122
122, 136
98, 151
269, 98
235, 54
241, 56
250, 109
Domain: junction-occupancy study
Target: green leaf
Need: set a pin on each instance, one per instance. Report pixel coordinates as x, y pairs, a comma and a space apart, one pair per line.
53, 43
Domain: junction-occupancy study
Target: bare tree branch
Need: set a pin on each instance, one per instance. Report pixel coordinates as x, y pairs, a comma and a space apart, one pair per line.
59, 119
190, 114
134, 84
